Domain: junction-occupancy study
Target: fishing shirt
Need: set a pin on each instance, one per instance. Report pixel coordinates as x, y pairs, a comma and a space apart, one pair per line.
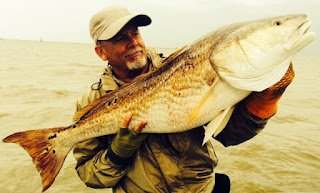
175, 162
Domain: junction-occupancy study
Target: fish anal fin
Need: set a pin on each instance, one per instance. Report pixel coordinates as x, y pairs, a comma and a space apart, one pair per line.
203, 102
44, 150
217, 124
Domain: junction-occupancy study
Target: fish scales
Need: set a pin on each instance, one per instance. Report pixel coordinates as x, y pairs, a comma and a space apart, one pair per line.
162, 102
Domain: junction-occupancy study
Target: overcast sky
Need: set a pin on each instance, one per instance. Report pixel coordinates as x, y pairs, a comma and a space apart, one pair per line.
174, 22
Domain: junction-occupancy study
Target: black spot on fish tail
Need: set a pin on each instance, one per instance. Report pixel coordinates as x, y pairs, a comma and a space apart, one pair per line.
54, 151
115, 100
109, 103
74, 126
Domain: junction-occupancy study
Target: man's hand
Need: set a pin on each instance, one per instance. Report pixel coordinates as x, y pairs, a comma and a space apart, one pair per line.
128, 141
264, 104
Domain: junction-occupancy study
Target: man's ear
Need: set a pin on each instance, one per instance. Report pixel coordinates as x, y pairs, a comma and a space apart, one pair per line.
100, 53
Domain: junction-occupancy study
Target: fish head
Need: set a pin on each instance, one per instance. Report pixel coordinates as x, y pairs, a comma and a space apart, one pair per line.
255, 55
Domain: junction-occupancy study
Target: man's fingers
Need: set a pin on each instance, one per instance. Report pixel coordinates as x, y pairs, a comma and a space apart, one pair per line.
126, 120
140, 126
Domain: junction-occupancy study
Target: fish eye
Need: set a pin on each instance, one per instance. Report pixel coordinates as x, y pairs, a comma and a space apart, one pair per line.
277, 23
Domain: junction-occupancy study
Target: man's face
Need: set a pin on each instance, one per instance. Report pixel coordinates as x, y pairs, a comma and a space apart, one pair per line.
126, 50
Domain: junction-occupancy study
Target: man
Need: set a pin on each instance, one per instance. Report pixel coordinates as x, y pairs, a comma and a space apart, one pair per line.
134, 162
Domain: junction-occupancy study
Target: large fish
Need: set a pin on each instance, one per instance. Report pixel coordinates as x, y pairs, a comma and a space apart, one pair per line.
198, 84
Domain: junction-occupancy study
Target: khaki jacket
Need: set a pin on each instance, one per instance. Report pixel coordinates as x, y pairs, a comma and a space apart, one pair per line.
165, 162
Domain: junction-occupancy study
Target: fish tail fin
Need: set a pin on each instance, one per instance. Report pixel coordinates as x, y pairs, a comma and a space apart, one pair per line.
47, 153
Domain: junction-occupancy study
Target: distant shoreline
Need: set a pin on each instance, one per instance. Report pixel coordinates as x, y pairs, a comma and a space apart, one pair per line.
42, 40
315, 53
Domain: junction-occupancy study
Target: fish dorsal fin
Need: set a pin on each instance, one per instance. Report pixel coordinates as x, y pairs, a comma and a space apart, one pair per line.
79, 114
174, 54
165, 61
142, 76
217, 124
203, 102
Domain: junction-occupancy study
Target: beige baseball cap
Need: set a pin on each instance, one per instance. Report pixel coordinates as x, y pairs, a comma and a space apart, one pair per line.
109, 21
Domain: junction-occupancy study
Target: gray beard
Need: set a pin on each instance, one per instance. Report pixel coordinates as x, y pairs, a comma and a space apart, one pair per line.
137, 64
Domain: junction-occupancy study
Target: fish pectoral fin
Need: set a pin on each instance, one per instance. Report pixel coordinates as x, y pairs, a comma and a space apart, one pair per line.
217, 124
205, 100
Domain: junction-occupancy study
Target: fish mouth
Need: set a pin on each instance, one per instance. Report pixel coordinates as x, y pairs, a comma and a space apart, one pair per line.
300, 37
307, 29
305, 26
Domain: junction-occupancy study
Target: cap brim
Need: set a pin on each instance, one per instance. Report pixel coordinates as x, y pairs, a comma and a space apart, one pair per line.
115, 27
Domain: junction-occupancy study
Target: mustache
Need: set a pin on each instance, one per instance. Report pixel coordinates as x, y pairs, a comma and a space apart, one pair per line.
133, 51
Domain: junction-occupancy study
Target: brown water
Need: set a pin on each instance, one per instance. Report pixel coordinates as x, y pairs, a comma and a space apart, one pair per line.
40, 81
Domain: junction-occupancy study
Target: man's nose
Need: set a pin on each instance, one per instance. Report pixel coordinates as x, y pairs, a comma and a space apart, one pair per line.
132, 41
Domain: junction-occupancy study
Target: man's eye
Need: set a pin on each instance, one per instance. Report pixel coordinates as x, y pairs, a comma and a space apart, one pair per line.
135, 34
118, 39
